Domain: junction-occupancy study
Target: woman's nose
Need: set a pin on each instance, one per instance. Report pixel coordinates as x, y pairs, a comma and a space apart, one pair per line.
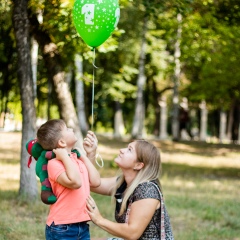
123, 150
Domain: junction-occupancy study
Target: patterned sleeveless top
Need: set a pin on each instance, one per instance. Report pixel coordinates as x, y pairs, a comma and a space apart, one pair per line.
142, 191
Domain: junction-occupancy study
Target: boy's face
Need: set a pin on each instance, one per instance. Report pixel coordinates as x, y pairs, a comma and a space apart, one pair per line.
68, 136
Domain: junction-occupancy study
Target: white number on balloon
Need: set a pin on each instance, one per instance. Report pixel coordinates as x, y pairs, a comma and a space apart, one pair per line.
88, 11
117, 16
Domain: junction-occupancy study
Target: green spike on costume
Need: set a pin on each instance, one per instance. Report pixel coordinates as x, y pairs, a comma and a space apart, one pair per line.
42, 157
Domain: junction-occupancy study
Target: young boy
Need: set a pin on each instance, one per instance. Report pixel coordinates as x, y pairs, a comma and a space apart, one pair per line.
71, 179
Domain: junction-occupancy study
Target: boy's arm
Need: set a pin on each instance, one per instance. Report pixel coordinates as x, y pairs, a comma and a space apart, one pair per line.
71, 178
94, 176
90, 146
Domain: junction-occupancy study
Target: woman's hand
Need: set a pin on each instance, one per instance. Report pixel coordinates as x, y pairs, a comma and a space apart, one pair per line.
90, 143
93, 211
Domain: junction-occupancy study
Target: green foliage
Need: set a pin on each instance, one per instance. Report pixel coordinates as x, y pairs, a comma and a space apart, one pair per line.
209, 48
9, 87
209, 56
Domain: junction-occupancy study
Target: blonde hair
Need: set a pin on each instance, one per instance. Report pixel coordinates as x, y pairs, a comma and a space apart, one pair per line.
49, 133
148, 154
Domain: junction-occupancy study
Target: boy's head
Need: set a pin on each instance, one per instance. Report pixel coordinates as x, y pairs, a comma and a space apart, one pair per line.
49, 133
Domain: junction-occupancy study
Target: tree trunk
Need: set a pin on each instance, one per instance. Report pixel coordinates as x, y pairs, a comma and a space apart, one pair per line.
161, 114
223, 124
157, 107
163, 119
56, 73
28, 181
176, 76
80, 103
203, 121
235, 128
118, 121
66, 106
34, 55
139, 115
230, 121
49, 97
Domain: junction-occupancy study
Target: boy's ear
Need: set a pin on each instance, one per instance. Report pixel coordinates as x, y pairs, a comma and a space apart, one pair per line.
61, 143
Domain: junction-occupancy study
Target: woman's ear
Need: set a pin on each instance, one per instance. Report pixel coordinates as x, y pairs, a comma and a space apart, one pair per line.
138, 166
61, 143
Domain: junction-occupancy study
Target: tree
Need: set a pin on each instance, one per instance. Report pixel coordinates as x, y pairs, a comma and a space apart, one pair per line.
54, 64
8, 67
209, 60
176, 80
139, 116
80, 94
210, 55
28, 182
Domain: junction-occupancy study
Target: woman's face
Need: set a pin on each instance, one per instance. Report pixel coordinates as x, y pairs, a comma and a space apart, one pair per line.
127, 157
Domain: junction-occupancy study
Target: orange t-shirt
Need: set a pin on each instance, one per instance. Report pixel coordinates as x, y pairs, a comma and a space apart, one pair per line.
70, 206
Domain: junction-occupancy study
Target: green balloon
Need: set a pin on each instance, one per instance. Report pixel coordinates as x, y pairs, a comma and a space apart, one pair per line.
95, 20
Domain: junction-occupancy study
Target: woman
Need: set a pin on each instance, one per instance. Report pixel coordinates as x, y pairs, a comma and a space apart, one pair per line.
138, 208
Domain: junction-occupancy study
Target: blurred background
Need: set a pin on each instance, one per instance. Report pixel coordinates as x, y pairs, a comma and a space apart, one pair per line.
169, 72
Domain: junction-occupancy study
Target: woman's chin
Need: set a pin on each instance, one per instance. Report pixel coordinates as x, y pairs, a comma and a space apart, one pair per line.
116, 160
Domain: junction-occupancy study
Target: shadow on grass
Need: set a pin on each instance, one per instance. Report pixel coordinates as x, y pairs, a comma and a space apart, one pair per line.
168, 146
183, 170
8, 195
197, 148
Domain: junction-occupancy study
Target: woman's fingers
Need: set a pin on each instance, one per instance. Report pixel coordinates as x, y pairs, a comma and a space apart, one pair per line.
92, 210
91, 205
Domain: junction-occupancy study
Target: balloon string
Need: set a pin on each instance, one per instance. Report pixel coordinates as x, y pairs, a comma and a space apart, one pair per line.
98, 156
96, 160
94, 66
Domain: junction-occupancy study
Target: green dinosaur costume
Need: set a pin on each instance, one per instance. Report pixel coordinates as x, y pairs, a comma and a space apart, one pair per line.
42, 157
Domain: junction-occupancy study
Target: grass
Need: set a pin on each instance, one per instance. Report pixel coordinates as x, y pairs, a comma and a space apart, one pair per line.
200, 183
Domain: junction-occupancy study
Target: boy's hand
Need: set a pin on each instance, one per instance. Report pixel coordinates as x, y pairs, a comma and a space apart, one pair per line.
61, 153
90, 143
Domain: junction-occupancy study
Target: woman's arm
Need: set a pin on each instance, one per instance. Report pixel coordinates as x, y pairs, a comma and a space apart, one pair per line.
141, 214
106, 187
